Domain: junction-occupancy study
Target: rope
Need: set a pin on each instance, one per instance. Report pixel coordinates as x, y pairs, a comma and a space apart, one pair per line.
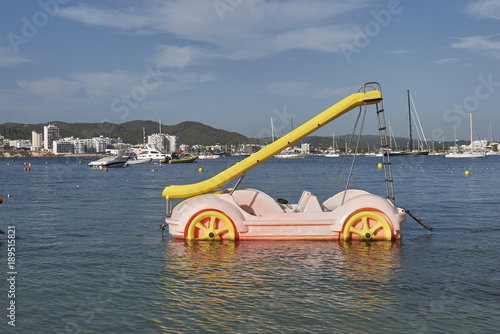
162, 227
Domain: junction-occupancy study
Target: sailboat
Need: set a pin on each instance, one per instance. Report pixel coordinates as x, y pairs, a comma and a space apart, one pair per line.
466, 153
420, 132
289, 152
333, 153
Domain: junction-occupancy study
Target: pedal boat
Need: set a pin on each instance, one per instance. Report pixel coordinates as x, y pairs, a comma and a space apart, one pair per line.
250, 214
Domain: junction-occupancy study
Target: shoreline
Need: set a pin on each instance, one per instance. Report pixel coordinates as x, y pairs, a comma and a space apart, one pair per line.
42, 154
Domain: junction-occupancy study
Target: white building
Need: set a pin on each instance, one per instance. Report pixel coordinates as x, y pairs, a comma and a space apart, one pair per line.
50, 134
163, 142
20, 143
36, 141
62, 147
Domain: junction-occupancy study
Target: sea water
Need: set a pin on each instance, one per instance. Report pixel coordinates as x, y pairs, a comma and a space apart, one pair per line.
80, 267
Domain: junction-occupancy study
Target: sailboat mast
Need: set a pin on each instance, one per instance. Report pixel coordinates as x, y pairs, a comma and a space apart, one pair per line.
161, 139
409, 118
471, 129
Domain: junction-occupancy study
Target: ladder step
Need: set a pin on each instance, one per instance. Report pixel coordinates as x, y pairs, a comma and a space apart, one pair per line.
380, 129
379, 111
386, 180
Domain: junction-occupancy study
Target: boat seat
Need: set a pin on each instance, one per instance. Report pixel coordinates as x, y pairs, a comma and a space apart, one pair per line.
256, 202
334, 202
308, 203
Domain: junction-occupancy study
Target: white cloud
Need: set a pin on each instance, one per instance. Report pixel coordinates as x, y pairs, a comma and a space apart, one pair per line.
481, 44
127, 20
181, 57
50, 86
489, 9
8, 59
447, 61
249, 29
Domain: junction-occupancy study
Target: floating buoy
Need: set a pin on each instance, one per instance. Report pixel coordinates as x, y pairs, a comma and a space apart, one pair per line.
29, 168
105, 169
467, 172
29, 164
153, 170
46, 163
79, 162
200, 169
66, 162
379, 165
8, 164
25, 168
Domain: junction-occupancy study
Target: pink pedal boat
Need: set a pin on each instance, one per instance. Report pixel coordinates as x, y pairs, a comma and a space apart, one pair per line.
249, 214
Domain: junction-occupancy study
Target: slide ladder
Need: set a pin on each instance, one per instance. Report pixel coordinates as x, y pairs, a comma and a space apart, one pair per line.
335, 111
384, 144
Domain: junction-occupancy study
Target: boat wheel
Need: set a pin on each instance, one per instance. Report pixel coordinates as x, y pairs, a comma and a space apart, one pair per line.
367, 226
211, 225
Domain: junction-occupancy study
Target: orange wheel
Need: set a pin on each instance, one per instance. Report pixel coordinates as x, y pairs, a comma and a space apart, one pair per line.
367, 226
210, 225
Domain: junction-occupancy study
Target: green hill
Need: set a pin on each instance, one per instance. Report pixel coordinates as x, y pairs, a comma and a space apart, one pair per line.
131, 132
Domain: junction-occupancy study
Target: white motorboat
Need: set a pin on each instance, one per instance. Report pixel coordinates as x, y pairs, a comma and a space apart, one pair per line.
208, 156
109, 162
144, 153
136, 161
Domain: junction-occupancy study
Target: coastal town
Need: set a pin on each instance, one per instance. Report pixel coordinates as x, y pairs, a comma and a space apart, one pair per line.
50, 143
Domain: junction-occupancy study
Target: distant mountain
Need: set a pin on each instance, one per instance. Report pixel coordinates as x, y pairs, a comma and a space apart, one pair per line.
131, 132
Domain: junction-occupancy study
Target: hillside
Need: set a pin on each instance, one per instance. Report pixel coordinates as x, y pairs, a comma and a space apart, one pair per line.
131, 132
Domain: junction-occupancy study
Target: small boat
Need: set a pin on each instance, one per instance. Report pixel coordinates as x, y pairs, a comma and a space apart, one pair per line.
332, 153
180, 160
109, 162
465, 154
209, 156
468, 152
136, 161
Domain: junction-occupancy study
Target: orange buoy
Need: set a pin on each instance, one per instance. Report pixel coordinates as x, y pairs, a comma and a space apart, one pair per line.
105, 169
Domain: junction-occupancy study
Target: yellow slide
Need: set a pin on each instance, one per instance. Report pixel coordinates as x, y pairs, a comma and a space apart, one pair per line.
340, 108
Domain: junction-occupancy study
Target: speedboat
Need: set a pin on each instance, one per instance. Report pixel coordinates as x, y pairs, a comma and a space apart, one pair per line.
109, 162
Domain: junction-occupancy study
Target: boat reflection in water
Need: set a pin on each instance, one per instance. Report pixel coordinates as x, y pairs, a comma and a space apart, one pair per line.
274, 286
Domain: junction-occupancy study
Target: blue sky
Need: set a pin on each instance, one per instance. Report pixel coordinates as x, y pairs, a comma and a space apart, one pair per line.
234, 64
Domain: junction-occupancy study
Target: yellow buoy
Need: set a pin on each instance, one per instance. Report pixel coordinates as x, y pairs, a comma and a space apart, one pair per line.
153, 170
46, 162
379, 165
467, 172
200, 169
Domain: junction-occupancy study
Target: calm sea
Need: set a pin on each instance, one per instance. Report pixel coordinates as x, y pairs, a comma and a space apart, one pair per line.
82, 268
